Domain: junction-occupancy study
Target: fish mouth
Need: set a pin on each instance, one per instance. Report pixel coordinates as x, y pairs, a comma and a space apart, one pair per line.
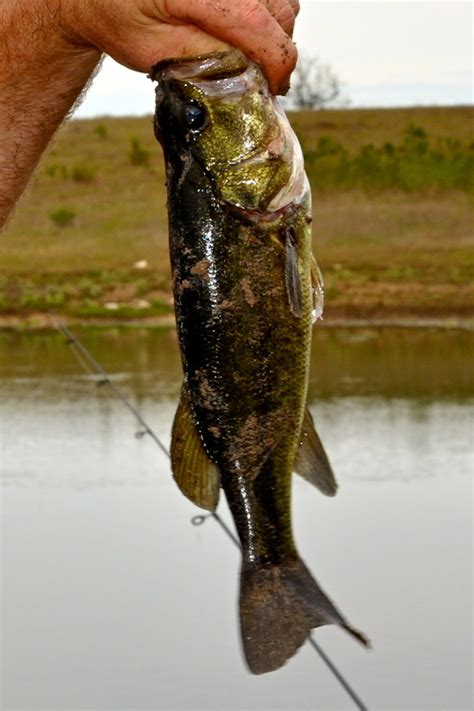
267, 217
212, 66
296, 190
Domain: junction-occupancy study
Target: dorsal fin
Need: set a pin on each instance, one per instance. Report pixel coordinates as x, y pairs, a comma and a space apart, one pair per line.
197, 477
311, 460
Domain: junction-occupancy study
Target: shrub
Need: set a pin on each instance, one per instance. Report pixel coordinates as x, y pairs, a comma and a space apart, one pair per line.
161, 307
62, 217
29, 299
83, 173
55, 297
138, 155
89, 288
142, 287
415, 164
56, 170
101, 130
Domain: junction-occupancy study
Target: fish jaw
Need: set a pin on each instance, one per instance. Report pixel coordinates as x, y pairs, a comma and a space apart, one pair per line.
270, 182
246, 144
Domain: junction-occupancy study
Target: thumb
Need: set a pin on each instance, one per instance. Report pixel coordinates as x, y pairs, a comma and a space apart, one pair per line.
150, 45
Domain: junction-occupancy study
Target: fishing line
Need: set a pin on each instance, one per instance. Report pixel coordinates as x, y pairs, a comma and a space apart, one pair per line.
202, 518
198, 521
80, 349
90, 364
343, 682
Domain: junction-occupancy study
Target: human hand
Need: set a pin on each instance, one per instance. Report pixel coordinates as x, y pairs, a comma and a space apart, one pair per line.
140, 33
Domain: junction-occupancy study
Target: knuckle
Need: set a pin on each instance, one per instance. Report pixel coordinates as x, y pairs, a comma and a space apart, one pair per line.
296, 7
283, 11
252, 13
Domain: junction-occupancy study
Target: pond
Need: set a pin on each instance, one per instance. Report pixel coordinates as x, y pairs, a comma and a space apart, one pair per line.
112, 599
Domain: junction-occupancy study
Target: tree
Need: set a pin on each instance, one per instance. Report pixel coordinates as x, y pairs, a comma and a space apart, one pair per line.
314, 85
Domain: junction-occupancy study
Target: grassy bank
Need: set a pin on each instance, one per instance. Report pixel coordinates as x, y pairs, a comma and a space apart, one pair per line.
392, 218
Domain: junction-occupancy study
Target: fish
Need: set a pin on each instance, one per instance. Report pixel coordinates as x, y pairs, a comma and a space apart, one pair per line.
247, 291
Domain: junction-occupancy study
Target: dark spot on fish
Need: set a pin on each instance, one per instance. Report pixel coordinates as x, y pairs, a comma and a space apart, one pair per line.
226, 305
249, 296
185, 284
207, 395
251, 239
257, 437
201, 269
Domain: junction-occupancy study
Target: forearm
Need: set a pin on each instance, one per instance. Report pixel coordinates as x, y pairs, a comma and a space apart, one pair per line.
42, 73
49, 49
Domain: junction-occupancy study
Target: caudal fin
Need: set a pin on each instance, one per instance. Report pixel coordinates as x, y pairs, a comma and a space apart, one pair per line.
279, 606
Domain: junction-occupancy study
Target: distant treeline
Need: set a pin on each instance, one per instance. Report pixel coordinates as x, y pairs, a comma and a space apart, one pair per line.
419, 162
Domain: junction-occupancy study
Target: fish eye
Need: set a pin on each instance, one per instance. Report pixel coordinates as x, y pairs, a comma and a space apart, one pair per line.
195, 116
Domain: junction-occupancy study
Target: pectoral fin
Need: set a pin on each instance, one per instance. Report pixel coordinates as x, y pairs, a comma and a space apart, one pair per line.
311, 460
318, 290
292, 274
197, 477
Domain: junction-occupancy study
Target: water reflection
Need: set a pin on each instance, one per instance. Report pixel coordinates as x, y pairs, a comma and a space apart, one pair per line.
113, 600
61, 413
406, 363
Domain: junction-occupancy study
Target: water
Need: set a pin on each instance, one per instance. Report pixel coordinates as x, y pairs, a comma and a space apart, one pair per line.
111, 599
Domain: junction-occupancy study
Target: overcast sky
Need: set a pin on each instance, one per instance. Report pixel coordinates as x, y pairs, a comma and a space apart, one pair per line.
386, 52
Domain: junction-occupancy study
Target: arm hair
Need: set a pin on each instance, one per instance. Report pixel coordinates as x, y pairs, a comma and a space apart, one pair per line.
42, 75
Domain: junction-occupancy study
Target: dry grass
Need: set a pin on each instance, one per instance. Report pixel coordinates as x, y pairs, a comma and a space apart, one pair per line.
357, 127
389, 251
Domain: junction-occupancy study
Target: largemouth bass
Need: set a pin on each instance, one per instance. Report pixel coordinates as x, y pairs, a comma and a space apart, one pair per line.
246, 291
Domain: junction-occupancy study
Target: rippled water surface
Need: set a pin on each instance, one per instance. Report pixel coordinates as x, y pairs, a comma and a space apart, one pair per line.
111, 599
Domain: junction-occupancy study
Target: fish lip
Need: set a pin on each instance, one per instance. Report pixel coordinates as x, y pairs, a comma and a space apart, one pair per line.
212, 65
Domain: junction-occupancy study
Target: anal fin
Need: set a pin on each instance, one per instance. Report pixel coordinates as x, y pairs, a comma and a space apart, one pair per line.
311, 461
196, 475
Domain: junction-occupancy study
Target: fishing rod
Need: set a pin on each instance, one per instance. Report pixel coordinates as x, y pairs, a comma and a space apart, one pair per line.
91, 365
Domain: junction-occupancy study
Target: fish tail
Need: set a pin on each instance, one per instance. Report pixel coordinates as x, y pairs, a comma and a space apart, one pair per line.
279, 606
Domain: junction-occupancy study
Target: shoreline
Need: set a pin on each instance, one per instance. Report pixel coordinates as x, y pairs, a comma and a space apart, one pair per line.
42, 322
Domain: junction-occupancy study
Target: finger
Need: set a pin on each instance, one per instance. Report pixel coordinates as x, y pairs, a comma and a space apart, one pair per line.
249, 26
296, 7
154, 42
284, 12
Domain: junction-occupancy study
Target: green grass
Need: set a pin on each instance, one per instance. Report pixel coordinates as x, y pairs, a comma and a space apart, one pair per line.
121, 295
392, 224
355, 128
416, 164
